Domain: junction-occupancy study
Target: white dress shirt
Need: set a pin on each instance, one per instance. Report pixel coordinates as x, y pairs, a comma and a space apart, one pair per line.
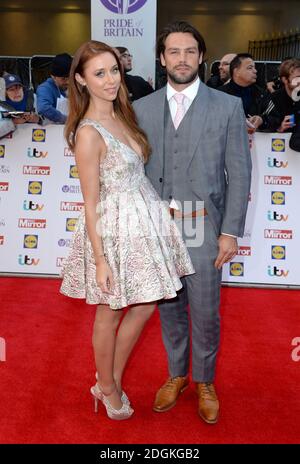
189, 92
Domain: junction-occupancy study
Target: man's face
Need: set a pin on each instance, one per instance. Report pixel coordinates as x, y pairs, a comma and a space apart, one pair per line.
293, 81
246, 74
126, 60
61, 82
15, 93
181, 58
224, 66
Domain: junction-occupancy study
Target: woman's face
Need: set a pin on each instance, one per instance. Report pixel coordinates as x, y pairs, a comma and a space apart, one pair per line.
102, 77
15, 93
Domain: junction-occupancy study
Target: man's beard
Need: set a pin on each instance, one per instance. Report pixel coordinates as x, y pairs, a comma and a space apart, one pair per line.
182, 79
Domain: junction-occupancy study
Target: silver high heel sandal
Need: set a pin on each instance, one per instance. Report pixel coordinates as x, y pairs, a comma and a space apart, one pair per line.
116, 414
124, 397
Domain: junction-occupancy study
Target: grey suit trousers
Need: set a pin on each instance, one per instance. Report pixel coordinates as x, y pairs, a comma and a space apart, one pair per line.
201, 293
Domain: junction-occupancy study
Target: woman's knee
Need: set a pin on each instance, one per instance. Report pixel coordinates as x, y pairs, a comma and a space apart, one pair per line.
107, 319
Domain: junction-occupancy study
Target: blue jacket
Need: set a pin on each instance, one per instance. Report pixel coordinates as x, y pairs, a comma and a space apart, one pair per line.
47, 94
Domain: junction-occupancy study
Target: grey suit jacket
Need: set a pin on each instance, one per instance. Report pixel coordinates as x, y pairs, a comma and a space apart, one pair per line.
217, 163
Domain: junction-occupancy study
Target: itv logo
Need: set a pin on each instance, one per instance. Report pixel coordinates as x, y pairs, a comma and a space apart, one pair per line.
34, 153
275, 163
276, 272
274, 216
27, 261
31, 206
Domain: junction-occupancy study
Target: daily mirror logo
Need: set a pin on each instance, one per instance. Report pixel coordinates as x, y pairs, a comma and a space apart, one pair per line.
278, 180
123, 6
37, 170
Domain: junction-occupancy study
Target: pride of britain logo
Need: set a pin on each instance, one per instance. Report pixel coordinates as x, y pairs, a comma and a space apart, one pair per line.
123, 6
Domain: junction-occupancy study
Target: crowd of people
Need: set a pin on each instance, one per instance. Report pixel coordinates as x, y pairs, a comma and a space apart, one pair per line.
272, 109
265, 108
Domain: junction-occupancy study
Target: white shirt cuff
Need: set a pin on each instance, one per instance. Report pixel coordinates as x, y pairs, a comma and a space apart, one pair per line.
229, 235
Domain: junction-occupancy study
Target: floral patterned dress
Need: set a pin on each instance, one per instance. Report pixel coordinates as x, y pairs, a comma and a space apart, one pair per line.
142, 243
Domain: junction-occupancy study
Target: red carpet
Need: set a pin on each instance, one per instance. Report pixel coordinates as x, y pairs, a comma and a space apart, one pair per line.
49, 368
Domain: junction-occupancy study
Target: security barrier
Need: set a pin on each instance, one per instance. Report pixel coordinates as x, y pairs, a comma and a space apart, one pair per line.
40, 199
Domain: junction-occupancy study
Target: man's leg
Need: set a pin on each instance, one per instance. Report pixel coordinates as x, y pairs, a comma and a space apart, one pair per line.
203, 291
175, 330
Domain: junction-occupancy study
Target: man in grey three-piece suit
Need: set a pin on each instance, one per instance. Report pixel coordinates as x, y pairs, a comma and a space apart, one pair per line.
200, 153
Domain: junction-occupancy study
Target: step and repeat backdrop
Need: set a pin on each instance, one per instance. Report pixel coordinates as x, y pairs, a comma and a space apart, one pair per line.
40, 200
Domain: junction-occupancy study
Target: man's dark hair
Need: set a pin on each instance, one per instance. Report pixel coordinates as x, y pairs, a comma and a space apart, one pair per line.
179, 26
237, 61
121, 49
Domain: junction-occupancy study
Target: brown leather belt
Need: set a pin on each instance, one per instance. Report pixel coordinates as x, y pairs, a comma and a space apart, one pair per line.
176, 213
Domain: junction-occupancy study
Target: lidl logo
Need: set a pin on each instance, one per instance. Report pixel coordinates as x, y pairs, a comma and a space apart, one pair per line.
278, 252
278, 145
38, 135
236, 269
278, 198
30, 241
73, 173
35, 187
70, 224
2, 151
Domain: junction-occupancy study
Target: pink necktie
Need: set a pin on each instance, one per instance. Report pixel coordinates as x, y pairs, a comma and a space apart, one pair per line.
179, 97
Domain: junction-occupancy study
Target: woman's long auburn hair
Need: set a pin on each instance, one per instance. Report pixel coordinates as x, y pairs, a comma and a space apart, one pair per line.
79, 98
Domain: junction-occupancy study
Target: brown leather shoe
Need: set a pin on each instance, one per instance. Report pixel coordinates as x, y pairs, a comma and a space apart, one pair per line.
167, 395
208, 405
